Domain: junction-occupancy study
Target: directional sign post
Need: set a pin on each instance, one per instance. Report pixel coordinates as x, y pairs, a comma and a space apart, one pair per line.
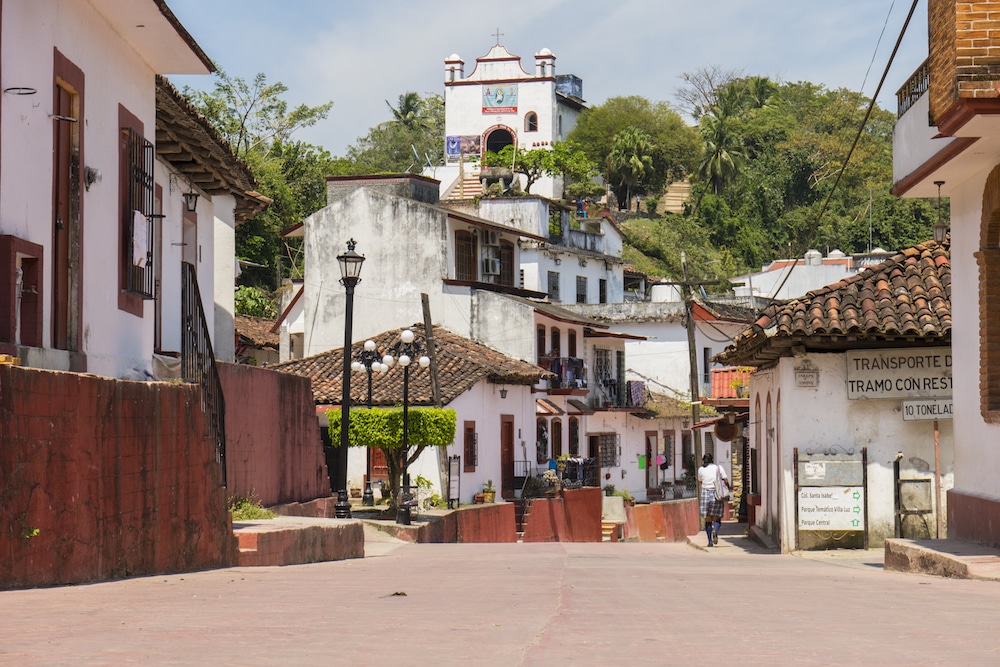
831, 507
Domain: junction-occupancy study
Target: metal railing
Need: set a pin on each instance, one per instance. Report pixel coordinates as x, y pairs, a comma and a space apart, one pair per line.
198, 361
913, 89
570, 373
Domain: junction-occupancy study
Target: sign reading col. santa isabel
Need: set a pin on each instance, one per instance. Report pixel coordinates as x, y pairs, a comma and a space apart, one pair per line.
922, 372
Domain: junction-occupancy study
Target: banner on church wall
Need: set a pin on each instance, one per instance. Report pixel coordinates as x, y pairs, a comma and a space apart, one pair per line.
458, 145
500, 99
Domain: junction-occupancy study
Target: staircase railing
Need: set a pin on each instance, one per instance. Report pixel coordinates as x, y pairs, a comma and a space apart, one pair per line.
198, 361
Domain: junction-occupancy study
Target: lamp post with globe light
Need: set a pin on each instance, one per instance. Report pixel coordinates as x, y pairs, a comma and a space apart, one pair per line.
370, 361
404, 352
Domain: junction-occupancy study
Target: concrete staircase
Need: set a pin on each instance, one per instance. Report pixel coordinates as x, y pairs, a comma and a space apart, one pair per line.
467, 188
673, 200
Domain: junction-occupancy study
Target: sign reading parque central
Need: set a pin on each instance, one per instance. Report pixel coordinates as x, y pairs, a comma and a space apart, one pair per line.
922, 372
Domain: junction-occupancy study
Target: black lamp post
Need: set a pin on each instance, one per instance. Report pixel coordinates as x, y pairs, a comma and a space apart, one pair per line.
369, 360
350, 275
404, 351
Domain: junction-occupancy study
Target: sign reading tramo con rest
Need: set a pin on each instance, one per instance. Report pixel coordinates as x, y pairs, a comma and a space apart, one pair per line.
923, 372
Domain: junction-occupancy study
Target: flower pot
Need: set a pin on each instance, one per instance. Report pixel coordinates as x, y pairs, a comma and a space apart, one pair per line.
479, 498
489, 496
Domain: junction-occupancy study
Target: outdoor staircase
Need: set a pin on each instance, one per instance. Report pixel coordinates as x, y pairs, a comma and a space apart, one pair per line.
465, 188
610, 531
673, 200
522, 507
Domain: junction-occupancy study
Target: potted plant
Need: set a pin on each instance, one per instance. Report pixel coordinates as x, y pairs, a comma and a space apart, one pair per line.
489, 492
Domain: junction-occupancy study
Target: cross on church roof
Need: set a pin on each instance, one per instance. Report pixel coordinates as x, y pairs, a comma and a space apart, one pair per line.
498, 35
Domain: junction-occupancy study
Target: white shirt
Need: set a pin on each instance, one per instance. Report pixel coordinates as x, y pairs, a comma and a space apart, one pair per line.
707, 475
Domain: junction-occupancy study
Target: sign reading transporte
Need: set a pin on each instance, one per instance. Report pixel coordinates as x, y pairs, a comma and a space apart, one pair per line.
927, 409
831, 508
923, 372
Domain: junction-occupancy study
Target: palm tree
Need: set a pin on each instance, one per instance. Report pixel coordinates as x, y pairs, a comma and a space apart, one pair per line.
630, 159
723, 157
408, 110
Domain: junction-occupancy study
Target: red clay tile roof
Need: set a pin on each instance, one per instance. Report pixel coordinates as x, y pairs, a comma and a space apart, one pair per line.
905, 300
256, 331
461, 364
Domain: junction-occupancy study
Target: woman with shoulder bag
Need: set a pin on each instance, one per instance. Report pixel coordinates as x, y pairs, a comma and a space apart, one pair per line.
714, 488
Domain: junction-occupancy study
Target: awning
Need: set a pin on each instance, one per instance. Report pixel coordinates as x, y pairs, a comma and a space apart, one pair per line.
547, 408
590, 333
579, 407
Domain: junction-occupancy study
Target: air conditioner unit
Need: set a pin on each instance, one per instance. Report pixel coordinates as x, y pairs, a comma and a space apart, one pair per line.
491, 237
491, 267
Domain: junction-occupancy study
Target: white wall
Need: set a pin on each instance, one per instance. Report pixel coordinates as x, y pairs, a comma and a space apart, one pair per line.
977, 461
815, 418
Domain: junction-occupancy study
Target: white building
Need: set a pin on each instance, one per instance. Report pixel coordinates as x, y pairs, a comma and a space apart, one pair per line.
500, 103
947, 141
852, 381
97, 154
788, 279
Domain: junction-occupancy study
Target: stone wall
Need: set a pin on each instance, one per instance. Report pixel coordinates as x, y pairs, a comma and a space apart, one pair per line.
273, 449
101, 479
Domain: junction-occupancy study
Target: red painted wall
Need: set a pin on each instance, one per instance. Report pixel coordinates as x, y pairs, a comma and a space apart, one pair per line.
973, 518
273, 449
670, 521
101, 479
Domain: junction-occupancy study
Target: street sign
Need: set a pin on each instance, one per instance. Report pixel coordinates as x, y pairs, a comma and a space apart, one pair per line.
926, 409
923, 372
831, 508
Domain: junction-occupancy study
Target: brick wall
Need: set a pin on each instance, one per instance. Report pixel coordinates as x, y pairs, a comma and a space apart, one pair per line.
273, 449
101, 479
964, 53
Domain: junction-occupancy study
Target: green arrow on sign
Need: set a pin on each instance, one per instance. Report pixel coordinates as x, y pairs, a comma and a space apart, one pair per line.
857, 495
857, 510
855, 522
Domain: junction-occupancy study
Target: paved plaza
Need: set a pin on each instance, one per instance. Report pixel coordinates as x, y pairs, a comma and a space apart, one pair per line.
517, 604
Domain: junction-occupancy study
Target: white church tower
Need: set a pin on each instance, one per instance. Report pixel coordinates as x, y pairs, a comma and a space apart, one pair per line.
500, 103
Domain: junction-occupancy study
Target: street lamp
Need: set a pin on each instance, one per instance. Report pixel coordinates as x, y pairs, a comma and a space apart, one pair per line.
368, 359
405, 350
350, 275
940, 229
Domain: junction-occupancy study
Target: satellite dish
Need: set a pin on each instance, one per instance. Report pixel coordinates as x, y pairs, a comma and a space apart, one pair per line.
725, 431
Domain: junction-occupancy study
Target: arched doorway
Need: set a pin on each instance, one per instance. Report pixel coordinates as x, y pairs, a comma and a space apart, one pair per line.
498, 137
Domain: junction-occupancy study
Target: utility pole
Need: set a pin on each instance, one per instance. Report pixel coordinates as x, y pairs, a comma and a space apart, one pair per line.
692, 359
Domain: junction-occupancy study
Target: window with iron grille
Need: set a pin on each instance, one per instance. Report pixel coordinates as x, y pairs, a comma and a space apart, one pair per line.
471, 446
574, 436
620, 371
581, 289
137, 211
602, 290
609, 450
506, 264
710, 444
465, 255
553, 285
668, 447
542, 442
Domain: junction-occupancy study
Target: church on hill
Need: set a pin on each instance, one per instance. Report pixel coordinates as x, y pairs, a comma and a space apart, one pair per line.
500, 103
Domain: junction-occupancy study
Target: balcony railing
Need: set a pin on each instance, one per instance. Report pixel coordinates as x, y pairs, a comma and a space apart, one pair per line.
609, 393
913, 89
570, 373
198, 362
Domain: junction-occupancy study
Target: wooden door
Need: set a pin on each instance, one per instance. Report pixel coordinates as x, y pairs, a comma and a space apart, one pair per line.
507, 457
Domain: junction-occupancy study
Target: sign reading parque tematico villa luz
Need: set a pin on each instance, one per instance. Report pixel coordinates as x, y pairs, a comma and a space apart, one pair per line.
921, 377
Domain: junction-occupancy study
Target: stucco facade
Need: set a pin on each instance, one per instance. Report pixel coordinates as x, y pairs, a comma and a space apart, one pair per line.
785, 416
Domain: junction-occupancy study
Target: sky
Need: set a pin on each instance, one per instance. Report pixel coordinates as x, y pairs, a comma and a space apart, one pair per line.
360, 53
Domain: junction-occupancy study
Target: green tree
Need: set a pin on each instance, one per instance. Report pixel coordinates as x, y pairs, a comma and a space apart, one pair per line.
414, 137
258, 125
676, 146
722, 157
564, 158
630, 163
383, 428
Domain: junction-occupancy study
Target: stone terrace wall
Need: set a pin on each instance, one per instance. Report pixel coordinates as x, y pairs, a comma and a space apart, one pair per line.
273, 449
101, 479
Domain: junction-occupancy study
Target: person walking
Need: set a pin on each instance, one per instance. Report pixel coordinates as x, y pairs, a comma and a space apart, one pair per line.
714, 487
